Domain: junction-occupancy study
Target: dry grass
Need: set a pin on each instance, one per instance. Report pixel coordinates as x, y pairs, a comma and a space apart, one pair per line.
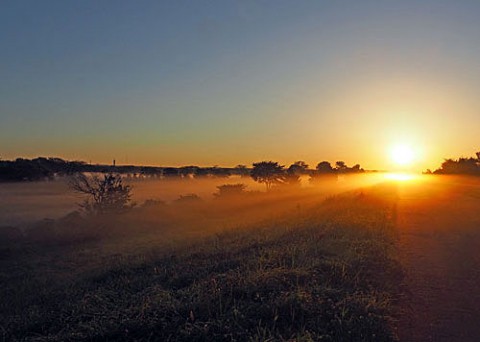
268, 267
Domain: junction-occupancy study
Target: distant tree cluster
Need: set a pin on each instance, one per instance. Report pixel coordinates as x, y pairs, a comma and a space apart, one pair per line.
271, 173
48, 168
461, 166
325, 167
37, 169
267, 172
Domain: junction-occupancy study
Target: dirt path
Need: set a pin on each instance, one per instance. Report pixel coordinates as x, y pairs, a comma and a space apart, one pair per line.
439, 225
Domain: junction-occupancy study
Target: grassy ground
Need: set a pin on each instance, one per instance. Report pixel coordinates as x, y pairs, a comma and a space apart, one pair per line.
323, 271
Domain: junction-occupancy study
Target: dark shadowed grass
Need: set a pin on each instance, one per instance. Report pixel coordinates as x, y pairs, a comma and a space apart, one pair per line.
323, 272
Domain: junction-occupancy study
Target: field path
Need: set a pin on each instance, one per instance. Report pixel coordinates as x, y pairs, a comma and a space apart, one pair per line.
439, 223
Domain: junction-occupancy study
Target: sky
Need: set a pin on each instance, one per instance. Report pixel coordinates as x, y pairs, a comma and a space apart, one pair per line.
235, 82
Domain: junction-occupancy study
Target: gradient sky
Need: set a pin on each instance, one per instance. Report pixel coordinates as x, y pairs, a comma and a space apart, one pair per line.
229, 82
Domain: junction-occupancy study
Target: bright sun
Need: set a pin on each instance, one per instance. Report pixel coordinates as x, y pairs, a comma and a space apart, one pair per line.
402, 155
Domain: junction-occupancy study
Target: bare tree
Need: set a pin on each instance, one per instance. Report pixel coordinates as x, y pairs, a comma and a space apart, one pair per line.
105, 195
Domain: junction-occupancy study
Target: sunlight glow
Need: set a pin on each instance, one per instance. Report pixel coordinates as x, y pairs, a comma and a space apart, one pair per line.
399, 176
402, 155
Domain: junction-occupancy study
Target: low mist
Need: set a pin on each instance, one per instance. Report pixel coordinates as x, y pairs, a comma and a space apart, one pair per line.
26, 202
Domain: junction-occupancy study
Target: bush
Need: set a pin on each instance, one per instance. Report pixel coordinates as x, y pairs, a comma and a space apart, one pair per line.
188, 199
230, 190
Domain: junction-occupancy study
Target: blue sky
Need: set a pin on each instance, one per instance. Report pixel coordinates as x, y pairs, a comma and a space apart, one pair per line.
227, 82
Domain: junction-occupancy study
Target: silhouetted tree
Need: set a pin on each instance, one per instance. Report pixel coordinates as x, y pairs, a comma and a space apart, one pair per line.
188, 171
460, 166
26, 170
170, 172
220, 172
268, 172
291, 179
340, 166
294, 171
324, 173
47, 168
200, 172
298, 168
242, 170
105, 195
468, 166
448, 166
324, 167
356, 169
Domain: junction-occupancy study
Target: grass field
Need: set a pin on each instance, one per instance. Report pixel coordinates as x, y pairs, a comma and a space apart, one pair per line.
263, 268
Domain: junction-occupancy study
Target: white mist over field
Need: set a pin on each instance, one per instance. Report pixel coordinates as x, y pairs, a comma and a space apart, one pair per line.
26, 202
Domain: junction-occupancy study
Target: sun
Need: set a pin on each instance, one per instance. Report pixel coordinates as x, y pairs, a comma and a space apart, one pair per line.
402, 155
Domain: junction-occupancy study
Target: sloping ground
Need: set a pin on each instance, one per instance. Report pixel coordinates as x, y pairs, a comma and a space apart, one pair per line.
324, 273
439, 230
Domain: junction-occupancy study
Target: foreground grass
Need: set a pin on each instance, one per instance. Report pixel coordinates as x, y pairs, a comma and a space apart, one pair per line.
326, 272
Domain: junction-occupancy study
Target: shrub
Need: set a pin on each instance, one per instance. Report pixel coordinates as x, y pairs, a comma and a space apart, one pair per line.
230, 190
188, 199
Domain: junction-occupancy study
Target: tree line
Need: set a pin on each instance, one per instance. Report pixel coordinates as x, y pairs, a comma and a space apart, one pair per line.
460, 166
42, 168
